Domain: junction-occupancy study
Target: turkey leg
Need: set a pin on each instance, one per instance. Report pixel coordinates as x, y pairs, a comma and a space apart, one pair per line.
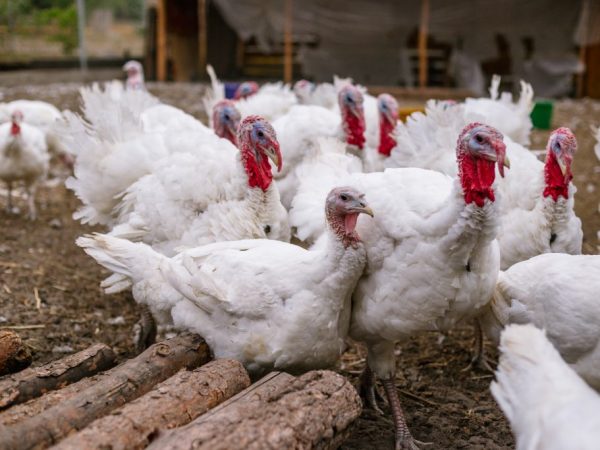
9, 199
147, 334
479, 359
404, 440
31, 201
368, 393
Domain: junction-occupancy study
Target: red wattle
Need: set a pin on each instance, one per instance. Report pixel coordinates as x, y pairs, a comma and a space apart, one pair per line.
477, 177
386, 141
556, 184
355, 130
15, 129
259, 171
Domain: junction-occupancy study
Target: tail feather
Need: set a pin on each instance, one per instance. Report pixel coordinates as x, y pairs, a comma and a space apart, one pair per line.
495, 87
213, 95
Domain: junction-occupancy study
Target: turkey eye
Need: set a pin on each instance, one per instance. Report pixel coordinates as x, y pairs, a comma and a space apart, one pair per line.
267, 229
260, 134
478, 138
344, 197
226, 117
349, 99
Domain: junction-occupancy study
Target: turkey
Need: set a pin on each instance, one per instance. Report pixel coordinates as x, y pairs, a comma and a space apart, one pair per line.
23, 158
559, 293
135, 75
268, 304
299, 130
322, 94
548, 406
123, 139
511, 119
375, 157
537, 214
538, 203
427, 226
270, 101
206, 192
43, 116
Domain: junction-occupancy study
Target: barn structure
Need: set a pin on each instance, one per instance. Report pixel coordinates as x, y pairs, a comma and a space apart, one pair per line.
553, 44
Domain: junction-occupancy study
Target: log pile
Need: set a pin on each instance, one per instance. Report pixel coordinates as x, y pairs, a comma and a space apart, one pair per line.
171, 396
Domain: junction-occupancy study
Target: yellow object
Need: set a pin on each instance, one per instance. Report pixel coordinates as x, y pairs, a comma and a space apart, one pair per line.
403, 113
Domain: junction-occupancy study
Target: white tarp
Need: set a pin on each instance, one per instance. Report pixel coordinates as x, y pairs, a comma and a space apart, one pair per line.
367, 39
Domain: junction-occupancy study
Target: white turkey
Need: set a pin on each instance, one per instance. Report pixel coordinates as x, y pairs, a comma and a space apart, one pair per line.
376, 156
559, 293
537, 214
206, 192
270, 101
322, 94
427, 227
135, 75
118, 142
24, 159
268, 304
299, 130
548, 406
538, 203
43, 116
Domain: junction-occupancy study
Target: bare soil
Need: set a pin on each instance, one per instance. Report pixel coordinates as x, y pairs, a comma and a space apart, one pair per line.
444, 405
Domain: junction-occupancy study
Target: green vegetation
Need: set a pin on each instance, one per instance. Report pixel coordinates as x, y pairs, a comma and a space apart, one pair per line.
59, 17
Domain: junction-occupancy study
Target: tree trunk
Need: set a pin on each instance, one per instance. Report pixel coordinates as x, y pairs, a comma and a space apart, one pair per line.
33, 382
173, 403
14, 355
126, 382
279, 411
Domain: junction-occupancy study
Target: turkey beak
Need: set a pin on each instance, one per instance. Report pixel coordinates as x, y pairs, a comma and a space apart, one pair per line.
232, 128
564, 163
502, 159
359, 206
274, 155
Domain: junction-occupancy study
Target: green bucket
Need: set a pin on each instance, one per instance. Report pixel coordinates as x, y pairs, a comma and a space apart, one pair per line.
541, 116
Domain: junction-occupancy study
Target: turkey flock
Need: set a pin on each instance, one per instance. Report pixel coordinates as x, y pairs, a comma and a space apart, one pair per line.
303, 216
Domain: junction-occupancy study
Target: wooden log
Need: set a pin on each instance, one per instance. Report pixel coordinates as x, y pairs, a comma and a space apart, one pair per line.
422, 44
33, 382
287, 42
126, 382
315, 410
14, 355
173, 403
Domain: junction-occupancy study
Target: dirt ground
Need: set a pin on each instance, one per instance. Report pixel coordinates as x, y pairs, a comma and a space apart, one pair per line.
444, 405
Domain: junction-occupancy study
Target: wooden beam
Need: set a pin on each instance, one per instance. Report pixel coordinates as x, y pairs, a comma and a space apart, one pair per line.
287, 42
423, 31
202, 37
161, 40
585, 20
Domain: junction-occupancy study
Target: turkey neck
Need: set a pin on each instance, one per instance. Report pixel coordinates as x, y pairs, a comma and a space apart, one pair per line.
556, 184
256, 166
470, 229
386, 141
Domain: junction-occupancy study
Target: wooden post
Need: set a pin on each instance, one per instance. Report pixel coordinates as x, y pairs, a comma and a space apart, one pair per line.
423, 31
585, 20
287, 42
202, 37
161, 40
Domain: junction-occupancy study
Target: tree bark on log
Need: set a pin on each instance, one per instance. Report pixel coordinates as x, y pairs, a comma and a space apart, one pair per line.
315, 410
14, 355
173, 403
126, 382
33, 382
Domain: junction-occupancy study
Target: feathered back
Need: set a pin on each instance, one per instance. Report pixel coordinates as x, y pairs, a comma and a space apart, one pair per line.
112, 150
499, 111
549, 407
428, 141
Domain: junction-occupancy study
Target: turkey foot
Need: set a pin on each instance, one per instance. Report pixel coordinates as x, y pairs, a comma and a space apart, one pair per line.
479, 360
146, 333
404, 440
368, 392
